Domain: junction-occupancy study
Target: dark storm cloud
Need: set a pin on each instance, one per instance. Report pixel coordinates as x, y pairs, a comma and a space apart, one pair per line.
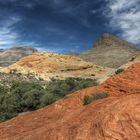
49, 24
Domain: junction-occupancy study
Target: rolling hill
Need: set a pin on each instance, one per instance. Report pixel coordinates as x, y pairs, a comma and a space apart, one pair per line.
58, 66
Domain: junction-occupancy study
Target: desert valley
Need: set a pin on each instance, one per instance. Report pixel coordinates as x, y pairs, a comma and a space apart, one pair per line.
94, 95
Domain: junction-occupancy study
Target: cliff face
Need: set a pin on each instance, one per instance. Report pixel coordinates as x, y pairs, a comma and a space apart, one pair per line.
110, 51
51, 65
115, 117
10, 56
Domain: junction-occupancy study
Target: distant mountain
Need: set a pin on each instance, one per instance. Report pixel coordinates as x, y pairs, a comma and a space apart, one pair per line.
110, 51
11, 55
58, 66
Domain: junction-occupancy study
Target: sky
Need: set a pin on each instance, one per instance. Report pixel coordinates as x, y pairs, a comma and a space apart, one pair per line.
67, 25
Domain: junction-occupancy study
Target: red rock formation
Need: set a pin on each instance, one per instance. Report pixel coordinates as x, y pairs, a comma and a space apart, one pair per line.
114, 118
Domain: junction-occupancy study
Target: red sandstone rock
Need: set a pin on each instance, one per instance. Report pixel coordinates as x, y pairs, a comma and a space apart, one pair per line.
114, 118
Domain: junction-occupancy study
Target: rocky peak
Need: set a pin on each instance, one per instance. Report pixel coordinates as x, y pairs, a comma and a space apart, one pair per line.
110, 51
108, 40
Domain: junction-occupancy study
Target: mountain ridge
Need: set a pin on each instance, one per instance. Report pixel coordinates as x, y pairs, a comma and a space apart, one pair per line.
108, 38
11, 55
110, 51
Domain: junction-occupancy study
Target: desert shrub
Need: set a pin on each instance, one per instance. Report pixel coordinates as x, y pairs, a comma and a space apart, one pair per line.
97, 96
24, 86
31, 100
48, 99
3, 89
119, 71
28, 96
63, 87
7, 107
87, 100
7, 115
80, 83
58, 88
23, 96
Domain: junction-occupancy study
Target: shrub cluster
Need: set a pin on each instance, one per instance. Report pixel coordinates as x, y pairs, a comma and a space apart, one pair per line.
97, 96
119, 71
28, 96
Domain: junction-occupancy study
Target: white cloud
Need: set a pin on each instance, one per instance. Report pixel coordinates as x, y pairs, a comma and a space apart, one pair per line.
55, 48
7, 36
124, 16
50, 49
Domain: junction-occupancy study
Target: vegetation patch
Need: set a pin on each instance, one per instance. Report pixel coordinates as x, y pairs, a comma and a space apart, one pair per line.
88, 100
97, 96
25, 96
119, 71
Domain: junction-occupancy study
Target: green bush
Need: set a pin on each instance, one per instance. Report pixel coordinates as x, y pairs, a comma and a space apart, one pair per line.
87, 100
31, 99
80, 83
7, 107
48, 99
28, 96
119, 71
58, 88
97, 96
61, 88
21, 97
